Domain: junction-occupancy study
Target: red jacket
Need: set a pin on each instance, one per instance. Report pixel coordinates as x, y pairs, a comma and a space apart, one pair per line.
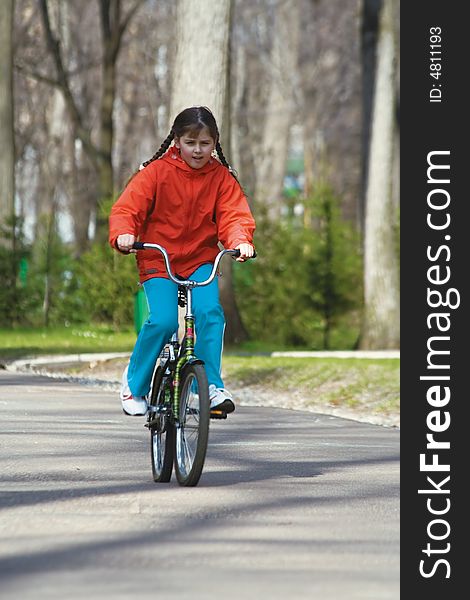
193, 209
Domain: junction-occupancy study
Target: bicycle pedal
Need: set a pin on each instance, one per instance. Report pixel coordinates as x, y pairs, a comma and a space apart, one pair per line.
218, 414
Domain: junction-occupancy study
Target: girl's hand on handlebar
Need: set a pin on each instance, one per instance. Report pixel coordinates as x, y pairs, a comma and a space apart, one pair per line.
125, 241
246, 251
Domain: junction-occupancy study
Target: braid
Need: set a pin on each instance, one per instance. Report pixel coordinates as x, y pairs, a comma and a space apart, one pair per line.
163, 148
223, 160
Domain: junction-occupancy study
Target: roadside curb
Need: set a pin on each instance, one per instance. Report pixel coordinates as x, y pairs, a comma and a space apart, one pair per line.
26, 363
340, 354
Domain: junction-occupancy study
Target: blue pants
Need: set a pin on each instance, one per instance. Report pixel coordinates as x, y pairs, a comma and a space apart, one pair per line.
162, 299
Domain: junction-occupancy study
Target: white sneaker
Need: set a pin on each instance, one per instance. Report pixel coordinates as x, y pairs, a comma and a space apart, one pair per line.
221, 399
131, 405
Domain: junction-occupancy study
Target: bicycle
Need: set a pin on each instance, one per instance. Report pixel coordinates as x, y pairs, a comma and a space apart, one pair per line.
179, 407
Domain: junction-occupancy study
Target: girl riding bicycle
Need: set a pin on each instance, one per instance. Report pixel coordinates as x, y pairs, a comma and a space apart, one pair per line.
186, 199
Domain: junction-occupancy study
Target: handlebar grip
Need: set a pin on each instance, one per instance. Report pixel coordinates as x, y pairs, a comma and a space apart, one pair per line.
141, 246
236, 254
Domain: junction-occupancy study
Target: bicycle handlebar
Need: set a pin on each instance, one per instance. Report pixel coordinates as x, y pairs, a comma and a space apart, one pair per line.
186, 282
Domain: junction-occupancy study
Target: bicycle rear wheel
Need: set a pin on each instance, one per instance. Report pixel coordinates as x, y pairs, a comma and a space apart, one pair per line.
162, 431
192, 431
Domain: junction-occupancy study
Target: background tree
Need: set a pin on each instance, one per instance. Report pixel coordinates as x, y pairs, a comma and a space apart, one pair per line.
331, 115
113, 25
334, 266
307, 278
381, 328
316, 96
250, 48
200, 77
10, 246
200, 69
270, 161
7, 146
370, 13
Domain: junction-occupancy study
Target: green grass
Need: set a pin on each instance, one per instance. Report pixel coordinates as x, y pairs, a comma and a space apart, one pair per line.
27, 342
353, 383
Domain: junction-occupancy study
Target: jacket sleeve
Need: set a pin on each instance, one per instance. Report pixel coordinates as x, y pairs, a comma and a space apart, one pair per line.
235, 223
132, 207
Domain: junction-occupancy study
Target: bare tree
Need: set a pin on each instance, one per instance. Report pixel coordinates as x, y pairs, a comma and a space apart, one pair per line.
330, 68
370, 13
113, 25
250, 50
281, 103
7, 146
140, 105
144, 87
381, 328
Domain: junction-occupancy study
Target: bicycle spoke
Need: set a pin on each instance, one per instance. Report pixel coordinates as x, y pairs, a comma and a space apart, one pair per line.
161, 433
192, 432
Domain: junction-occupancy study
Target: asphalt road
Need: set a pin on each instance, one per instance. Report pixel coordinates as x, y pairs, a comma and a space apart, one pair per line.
290, 505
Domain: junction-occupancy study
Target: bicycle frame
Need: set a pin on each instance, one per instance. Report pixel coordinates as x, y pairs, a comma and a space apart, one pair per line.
186, 349
186, 352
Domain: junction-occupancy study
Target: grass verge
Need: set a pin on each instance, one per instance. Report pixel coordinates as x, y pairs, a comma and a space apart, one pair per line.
27, 342
355, 384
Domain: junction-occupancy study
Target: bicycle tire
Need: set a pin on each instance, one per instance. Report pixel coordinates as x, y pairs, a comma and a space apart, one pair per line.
162, 433
192, 431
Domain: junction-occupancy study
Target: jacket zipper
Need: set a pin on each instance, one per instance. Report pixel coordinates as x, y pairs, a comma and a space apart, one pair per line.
189, 214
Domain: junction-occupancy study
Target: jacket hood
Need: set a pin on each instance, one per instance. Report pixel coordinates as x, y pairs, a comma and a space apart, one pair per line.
172, 156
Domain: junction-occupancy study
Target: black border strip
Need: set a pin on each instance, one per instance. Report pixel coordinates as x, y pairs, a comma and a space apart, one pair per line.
430, 127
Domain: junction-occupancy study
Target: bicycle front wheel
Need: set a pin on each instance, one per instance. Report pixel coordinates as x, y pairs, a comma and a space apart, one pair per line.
192, 431
162, 432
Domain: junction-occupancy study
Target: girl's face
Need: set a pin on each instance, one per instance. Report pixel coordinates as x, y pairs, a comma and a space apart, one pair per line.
196, 147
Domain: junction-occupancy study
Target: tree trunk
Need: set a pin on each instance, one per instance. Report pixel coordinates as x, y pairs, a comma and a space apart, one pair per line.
330, 68
80, 203
7, 145
242, 153
272, 158
370, 12
200, 70
381, 326
201, 79
50, 225
235, 331
113, 26
104, 162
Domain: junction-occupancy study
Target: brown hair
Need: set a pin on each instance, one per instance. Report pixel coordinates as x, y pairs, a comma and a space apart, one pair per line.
192, 119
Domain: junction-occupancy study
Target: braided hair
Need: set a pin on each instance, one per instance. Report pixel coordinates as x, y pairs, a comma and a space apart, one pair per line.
163, 148
194, 119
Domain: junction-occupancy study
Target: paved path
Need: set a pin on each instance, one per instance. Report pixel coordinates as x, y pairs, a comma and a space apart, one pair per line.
290, 505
